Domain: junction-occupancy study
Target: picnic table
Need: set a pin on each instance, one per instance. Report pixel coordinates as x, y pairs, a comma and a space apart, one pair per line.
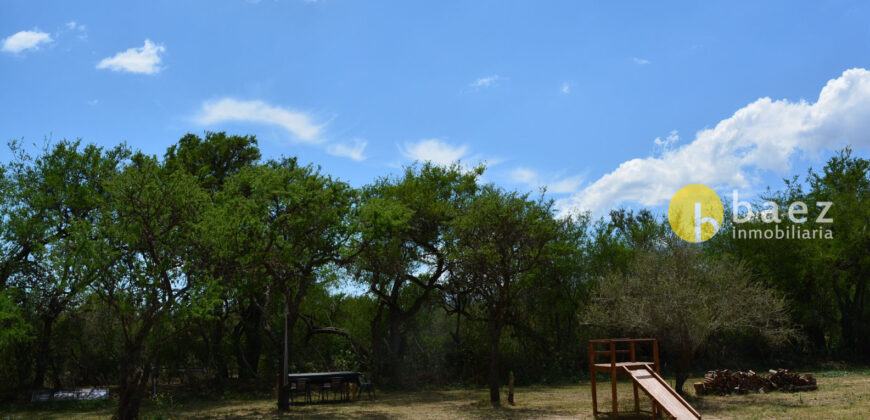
321, 378
324, 377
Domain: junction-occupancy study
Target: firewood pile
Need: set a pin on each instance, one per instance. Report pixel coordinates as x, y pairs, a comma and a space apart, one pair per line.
722, 382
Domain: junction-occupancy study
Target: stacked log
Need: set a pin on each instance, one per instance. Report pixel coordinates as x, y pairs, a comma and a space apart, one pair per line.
784, 380
722, 382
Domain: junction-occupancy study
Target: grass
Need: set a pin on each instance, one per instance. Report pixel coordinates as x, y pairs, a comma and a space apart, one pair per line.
841, 395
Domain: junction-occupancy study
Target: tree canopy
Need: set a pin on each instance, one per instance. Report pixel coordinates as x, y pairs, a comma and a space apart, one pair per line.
116, 266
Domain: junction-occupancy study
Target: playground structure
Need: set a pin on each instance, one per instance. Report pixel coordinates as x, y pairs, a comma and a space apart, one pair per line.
644, 376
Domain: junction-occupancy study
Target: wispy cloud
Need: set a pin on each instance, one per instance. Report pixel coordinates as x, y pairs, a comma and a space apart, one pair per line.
79, 28
229, 109
565, 89
74, 26
671, 138
435, 151
762, 136
144, 60
25, 40
641, 61
485, 82
555, 185
353, 151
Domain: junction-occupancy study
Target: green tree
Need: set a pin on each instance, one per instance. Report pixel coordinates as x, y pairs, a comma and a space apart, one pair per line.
54, 195
213, 160
824, 280
13, 327
844, 261
402, 255
681, 297
544, 318
290, 221
496, 244
144, 237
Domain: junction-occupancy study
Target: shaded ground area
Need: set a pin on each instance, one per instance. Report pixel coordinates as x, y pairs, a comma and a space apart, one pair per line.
841, 395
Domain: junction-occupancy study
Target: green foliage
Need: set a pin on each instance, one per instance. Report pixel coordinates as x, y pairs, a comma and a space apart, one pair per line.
113, 261
212, 160
825, 281
401, 257
681, 297
496, 244
13, 326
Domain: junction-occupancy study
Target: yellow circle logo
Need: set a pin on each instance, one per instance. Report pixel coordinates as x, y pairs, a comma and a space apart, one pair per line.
695, 213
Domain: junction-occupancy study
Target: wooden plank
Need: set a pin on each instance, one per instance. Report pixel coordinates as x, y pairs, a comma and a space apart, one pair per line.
608, 352
662, 394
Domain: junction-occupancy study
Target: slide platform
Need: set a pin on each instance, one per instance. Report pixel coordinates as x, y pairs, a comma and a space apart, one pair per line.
662, 393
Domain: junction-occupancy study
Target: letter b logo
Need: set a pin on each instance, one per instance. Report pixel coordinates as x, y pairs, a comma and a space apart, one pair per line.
695, 213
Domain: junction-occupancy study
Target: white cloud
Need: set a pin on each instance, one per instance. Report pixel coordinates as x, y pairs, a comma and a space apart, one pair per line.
565, 88
434, 150
74, 26
566, 185
641, 61
145, 60
485, 82
532, 179
25, 40
228, 109
524, 176
354, 151
78, 27
762, 136
93, 102
672, 138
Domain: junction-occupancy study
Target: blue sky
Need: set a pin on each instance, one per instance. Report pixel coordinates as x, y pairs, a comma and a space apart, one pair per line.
607, 104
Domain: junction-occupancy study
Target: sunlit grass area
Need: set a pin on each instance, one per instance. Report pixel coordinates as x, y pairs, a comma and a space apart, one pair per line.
841, 395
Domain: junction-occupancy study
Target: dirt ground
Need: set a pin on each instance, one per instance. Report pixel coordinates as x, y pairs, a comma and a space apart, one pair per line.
841, 395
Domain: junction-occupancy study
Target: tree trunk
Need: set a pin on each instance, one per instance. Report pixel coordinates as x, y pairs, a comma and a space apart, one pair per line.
248, 353
292, 315
130, 400
44, 352
682, 370
847, 325
495, 327
218, 359
253, 341
134, 377
396, 353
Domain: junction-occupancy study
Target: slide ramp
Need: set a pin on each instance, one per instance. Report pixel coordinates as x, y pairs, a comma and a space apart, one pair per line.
662, 393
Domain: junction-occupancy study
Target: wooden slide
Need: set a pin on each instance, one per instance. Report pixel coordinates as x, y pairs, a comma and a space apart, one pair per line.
661, 393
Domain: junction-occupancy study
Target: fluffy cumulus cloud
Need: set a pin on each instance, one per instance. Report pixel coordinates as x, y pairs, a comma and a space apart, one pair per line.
25, 40
353, 151
143, 60
229, 109
762, 136
555, 185
435, 151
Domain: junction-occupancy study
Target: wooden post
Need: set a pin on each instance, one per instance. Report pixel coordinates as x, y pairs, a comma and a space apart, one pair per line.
592, 378
633, 383
511, 389
656, 408
613, 379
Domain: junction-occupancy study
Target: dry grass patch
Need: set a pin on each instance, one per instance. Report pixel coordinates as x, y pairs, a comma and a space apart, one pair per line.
841, 395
